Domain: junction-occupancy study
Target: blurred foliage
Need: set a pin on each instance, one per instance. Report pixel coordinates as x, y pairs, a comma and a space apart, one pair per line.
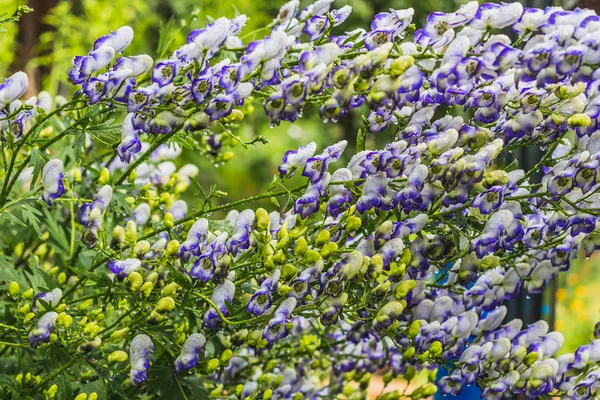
577, 307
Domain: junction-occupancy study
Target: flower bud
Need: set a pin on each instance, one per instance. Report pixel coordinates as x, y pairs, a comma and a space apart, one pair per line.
288, 272
13, 289
403, 288
117, 356
435, 349
130, 233
284, 290
579, 120
413, 329
267, 394
77, 175
212, 365
262, 220
172, 248
142, 248
61, 279
170, 289
401, 64
152, 277
322, 237
353, 223
50, 393
104, 176
81, 396
311, 256
118, 238
328, 248
93, 396
146, 289
134, 281
301, 247
168, 220
530, 359
165, 305
154, 317
225, 357
489, 261
28, 294
381, 290
119, 335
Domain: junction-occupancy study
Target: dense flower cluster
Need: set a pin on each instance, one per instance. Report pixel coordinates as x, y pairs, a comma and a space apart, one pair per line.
396, 259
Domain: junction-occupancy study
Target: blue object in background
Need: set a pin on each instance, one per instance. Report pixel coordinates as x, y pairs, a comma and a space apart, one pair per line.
468, 392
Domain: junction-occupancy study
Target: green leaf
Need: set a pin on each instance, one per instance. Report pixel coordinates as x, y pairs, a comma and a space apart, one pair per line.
198, 188
106, 132
361, 138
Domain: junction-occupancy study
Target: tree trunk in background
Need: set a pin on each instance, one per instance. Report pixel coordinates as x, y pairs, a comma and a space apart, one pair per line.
31, 26
591, 4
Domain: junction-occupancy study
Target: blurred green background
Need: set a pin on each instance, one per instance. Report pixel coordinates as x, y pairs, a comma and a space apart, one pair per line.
44, 42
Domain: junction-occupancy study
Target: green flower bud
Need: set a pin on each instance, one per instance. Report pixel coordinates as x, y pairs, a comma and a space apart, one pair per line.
130, 233
530, 359
28, 294
408, 353
579, 120
226, 356
284, 290
84, 305
142, 248
298, 231
239, 338
404, 288
353, 223
279, 257
401, 64
212, 365
239, 390
13, 289
413, 329
77, 175
81, 396
61, 279
170, 289
328, 248
50, 393
165, 305
288, 272
311, 256
155, 317
406, 257
152, 277
117, 356
382, 289
168, 220
322, 237
172, 248
267, 394
435, 349
429, 389
146, 289
119, 335
93, 396
118, 238
134, 281
104, 176
298, 396
301, 247
566, 91
262, 220
488, 262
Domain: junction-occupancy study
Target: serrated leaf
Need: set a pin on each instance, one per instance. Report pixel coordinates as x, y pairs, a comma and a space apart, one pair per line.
106, 132
198, 187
